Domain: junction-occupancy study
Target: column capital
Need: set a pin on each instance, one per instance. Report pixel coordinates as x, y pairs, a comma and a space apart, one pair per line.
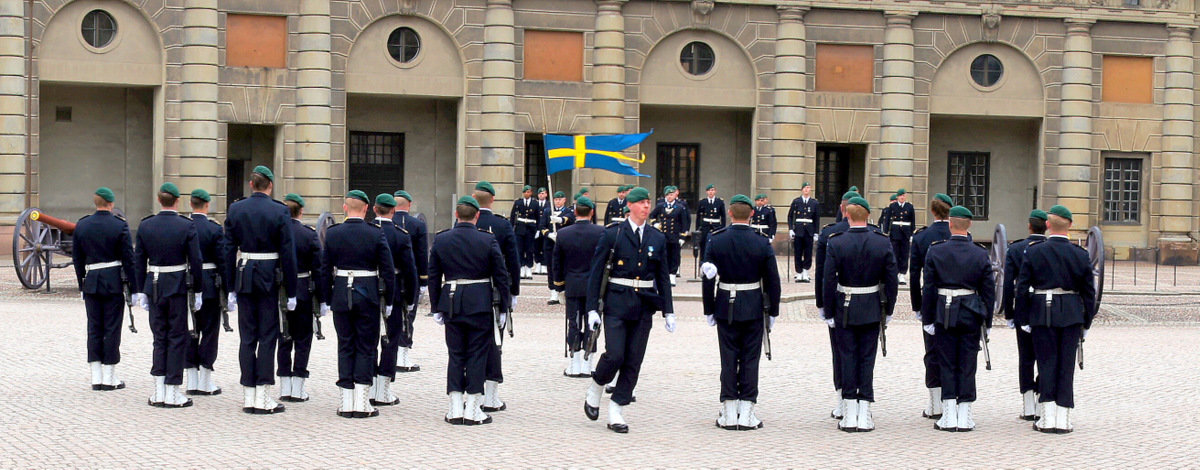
610, 5
791, 14
899, 18
1079, 25
1180, 31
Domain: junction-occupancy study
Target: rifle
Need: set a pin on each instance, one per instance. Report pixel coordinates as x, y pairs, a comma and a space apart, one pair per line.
766, 324
128, 301
696, 256
190, 298
497, 311
595, 334
882, 324
284, 334
1080, 353
312, 289
987, 355
383, 314
224, 299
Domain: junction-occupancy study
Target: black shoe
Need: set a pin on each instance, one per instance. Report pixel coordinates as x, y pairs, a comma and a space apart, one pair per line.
98, 387
364, 414
455, 421
965, 429
840, 428
609, 389
375, 402
403, 369
277, 409
109, 388
204, 393
939, 428
619, 428
291, 399
183, 405
469, 422
831, 415
552, 302
248, 410
592, 412
927, 415
156, 405
760, 425
346, 414
489, 409
1028, 417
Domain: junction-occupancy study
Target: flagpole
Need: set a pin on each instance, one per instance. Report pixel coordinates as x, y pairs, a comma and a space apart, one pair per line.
549, 180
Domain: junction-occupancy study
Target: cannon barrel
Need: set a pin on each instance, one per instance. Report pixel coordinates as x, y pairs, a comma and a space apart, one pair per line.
67, 227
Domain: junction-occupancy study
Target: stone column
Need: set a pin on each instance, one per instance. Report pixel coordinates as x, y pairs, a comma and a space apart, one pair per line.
895, 155
1075, 125
1178, 115
608, 91
498, 148
781, 174
309, 170
199, 165
13, 96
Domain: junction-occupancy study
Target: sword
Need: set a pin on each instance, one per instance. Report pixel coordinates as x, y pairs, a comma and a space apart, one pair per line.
129, 304
1080, 353
767, 334
284, 334
497, 309
191, 306
383, 317
224, 300
316, 311
987, 355
883, 326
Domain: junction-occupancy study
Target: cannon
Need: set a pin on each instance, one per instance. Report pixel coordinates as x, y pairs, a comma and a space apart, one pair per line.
37, 238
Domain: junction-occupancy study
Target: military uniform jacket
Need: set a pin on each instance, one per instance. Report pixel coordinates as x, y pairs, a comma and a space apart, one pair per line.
419, 234
958, 264
212, 251
742, 256
765, 216
631, 259
904, 214
819, 258
859, 257
499, 226
885, 218
1016, 308
308, 260
359, 246
573, 254
466, 253
673, 220
166, 239
400, 244
565, 212
710, 215
1058, 263
259, 224
524, 216
800, 211
937, 231
102, 237
615, 212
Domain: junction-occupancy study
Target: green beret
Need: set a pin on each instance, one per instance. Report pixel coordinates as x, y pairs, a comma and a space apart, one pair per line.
169, 188
669, 189
961, 212
637, 194
901, 192
356, 194
804, 185
1061, 211
201, 195
583, 190
850, 194
527, 188
485, 186
741, 198
760, 196
106, 194
625, 210
1039, 214
294, 198
404, 194
624, 187
262, 170
585, 202
854, 189
385, 200
893, 198
468, 201
859, 201
541, 190
575, 197
558, 194
711, 186
944, 198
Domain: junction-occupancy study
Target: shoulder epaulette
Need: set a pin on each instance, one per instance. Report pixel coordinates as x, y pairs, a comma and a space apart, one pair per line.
877, 232
612, 224
443, 231
939, 242
215, 222
89, 215
828, 225
1035, 242
279, 202
310, 227
375, 223
835, 234
980, 245
1016, 241
189, 219
1080, 247
149, 216
919, 230
120, 217
714, 232
402, 229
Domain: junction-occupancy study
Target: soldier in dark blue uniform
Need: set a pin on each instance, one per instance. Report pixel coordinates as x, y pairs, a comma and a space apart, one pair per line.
838, 217
741, 285
541, 265
900, 230
524, 219
499, 226
671, 216
615, 212
822, 243
859, 287
937, 230
357, 276
804, 218
260, 259
1057, 282
710, 216
959, 294
1017, 314
572, 262
202, 351
764, 220
419, 234
885, 216
553, 219
404, 297
103, 260
166, 258
293, 371
631, 255
464, 265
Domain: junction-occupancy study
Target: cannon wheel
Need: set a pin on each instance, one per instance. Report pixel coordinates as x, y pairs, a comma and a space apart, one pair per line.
33, 244
324, 221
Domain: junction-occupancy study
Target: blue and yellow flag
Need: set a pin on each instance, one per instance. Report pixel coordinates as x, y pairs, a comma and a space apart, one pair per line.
602, 152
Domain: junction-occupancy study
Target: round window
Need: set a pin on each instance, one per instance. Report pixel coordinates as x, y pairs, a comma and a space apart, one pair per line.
99, 27
697, 58
404, 44
986, 70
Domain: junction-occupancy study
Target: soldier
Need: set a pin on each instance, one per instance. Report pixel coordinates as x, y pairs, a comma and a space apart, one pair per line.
357, 275
202, 351
615, 210
959, 295
839, 216
464, 265
937, 230
260, 259
764, 220
553, 220
822, 243
671, 216
1017, 312
419, 234
488, 221
885, 216
103, 260
859, 286
572, 260
166, 257
294, 371
524, 219
803, 219
404, 296
629, 263
710, 216
540, 254
900, 230
1057, 283
741, 285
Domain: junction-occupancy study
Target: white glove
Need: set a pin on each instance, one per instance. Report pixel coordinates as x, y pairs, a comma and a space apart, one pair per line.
324, 309
711, 320
770, 323
412, 308
387, 311
537, 235
593, 320
512, 305
886, 320
1012, 324
1027, 328
928, 330
821, 312
1085, 330
553, 236
681, 242
815, 237
556, 219
437, 317
503, 320
709, 270
82, 295
197, 303
829, 321
792, 234
141, 301
670, 322
231, 300
291, 303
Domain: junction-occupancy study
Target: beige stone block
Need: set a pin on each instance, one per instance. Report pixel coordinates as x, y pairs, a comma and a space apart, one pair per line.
892, 134
197, 111
497, 104
312, 133
787, 164
310, 168
1176, 224
895, 167
1181, 192
884, 151
315, 59
314, 78
198, 147
1183, 80
1179, 159
789, 114
499, 35
314, 188
203, 129
608, 75
318, 151
199, 36
203, 167
12, 165
315, 23
1176, 176
1178, 112
1076, 108
1075, 124
609, 56
898, 116
313, 96
1078, 92
203, 73
12, 124
199, 92
904, 85
200, 55
499, 87
314, 115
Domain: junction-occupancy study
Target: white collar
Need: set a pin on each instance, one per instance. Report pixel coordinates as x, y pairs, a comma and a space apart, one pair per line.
1064, 237
633, 225
354, 218
384, 219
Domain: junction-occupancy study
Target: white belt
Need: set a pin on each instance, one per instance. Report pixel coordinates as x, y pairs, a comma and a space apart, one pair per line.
526, 221
634, 283
350, 274
95, 266
465, 282
244, 256
758, 227
902, 224
804, 221
1054, 291
303, 275
858, 290
167, 269
207, 266
952, 293
711, 221
739, 287
618, 219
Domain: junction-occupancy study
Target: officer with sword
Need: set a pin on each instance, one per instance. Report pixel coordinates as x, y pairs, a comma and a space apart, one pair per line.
571, 262
202, 350
293, 370
103, 261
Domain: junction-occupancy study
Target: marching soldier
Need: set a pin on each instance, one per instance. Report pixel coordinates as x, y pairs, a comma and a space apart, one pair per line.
202, 351
1057, 282
167, 254
260, 259
822, 244
540, 253
741, 285
615, 210
710, 216
937, 230
488, 221
959, 294
103, 260
885, 216
764, 220
1017, 311
419, 233
671, 216
464, 265
572, 260
859, 287
804, 218
524, 219
293, 370
404, 296
554, 219
900, 230
357, 275
629, 264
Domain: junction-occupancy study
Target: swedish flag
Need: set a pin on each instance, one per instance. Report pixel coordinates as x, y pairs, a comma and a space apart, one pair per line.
602, 152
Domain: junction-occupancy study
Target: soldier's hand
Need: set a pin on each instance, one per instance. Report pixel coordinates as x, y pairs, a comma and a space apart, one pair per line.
291, 303
886, 320
231, 301
553, 236
437, 317
324, 309
669, 321
1012, 324
593, 320
929, 330
425, 291
537, 235
141, 301
197, 303
387, 311
709, 270
815, 237
791, 234
512, 304
681, 242
503, 320
1085, 330
711, 321
1027, 328
771, 323
829, 322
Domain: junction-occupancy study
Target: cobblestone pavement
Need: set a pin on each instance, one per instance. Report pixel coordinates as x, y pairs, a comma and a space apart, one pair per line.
1137, 402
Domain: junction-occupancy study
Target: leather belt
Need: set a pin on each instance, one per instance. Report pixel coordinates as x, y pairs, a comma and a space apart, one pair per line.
858, 290
207, 266
902, 224
244, 256
166, 269
634, 283
94, 266
804, 221
731, 287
